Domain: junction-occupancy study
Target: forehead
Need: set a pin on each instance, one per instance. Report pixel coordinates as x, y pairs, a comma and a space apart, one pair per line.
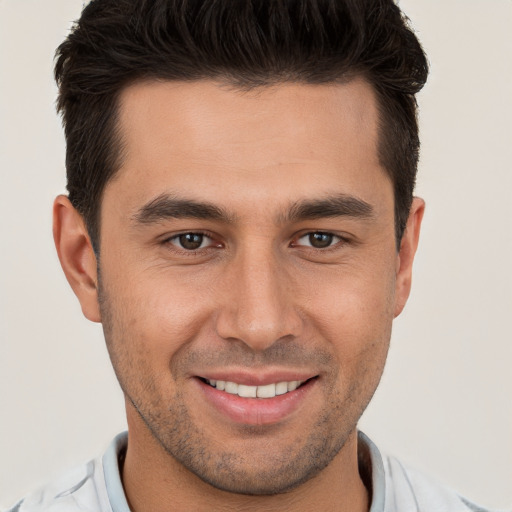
208, 139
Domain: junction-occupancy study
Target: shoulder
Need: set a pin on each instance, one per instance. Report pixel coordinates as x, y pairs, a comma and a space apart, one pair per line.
78, 490
400, 488
409, 489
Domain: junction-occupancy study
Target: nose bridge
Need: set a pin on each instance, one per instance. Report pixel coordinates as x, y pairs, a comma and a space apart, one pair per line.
260, 309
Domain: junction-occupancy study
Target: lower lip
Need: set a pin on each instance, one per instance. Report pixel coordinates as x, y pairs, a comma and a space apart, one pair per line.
256, 411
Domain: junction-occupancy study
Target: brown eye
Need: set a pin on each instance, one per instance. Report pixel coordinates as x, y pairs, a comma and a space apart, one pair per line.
190, 241
320, 240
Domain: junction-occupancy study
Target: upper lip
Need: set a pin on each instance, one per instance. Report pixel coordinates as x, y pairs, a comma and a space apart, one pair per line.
257, 378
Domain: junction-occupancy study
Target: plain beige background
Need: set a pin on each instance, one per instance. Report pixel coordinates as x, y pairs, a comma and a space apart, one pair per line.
445, 402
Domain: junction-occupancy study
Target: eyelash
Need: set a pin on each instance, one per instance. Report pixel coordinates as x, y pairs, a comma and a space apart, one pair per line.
200, 250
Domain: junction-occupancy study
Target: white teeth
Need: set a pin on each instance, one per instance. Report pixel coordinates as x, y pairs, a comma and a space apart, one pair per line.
247, 391
281, 388
231, 388
267, 391
293, 385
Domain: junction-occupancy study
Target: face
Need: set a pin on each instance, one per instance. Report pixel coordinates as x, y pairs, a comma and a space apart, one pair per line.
249, 275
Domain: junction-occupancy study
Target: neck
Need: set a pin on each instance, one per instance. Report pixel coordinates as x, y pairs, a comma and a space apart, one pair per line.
153, 480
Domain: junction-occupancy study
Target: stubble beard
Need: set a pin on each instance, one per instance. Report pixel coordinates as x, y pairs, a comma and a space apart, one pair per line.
258, 473
264, 474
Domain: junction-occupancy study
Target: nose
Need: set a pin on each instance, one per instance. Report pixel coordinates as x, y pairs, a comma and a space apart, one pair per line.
259, 307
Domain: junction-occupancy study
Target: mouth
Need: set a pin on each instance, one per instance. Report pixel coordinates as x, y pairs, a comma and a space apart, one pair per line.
263, 404
266, 391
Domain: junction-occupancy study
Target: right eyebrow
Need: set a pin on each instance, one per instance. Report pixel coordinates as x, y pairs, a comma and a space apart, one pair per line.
165, 207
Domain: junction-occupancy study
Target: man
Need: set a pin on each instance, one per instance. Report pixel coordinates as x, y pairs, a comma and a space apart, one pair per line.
241, 221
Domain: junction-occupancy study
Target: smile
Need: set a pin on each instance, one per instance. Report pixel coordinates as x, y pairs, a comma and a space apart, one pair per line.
257, 403
266, 391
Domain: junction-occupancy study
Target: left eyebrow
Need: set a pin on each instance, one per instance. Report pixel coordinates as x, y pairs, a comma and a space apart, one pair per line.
341, 205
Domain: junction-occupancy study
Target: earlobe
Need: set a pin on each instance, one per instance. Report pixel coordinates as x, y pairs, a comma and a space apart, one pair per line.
76, 255
405, 259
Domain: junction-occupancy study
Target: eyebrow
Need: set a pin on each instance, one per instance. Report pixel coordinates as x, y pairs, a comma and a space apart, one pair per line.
341, 205
165, 207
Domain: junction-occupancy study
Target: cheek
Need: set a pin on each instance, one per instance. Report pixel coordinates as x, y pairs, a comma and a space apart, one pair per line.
155, 316
363, 300
356, 321
353, 312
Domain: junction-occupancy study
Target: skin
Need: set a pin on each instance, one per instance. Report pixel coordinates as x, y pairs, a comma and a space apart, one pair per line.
256, 296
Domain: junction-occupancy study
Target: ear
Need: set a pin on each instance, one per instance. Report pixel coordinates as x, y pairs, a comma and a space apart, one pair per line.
76, 256
405, 257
